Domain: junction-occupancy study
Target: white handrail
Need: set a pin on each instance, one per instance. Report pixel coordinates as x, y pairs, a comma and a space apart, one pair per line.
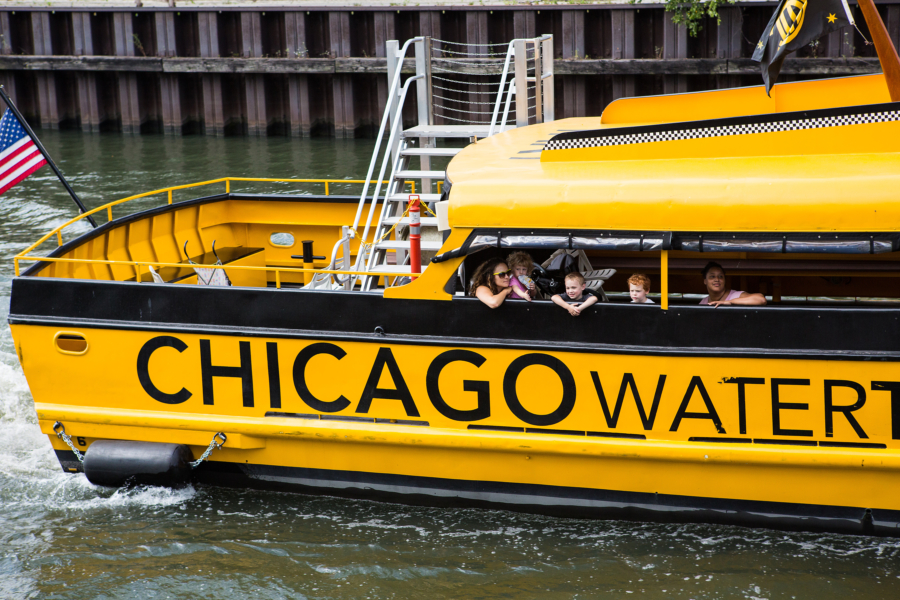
384, 119
396, 126
384, 205
362, 198
509, 95
510, 52
395, 101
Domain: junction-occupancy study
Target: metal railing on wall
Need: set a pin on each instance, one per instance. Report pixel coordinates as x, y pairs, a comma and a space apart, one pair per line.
57, 232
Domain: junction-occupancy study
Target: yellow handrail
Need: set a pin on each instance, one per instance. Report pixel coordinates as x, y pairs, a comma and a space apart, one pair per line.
137, 264
168, 191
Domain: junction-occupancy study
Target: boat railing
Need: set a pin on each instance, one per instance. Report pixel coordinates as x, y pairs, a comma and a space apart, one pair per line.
443, 72
392, 115
395, 129
391, 123
142, 266
539, 52
57, 232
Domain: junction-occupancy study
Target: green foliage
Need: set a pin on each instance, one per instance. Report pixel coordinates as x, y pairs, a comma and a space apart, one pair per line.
691, 13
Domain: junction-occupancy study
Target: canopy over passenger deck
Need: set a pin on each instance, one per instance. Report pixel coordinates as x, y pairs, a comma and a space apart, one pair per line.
801, 185
502, 181
827, 164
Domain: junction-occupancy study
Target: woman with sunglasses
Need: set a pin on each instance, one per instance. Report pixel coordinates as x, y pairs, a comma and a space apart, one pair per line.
490, 284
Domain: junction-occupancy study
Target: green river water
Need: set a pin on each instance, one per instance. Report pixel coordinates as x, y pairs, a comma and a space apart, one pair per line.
61, 537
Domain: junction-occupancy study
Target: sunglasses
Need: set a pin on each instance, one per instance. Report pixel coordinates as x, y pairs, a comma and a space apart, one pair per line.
504, 273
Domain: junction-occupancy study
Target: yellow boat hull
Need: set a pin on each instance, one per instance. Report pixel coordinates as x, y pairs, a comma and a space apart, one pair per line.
535, 430
787, 415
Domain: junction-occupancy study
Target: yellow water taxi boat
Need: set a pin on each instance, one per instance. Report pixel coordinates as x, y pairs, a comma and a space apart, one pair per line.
369, 381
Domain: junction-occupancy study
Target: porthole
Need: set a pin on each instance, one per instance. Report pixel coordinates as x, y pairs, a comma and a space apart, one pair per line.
281, 240
70, 342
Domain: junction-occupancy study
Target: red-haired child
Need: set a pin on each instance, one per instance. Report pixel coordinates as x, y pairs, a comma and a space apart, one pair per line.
639, 287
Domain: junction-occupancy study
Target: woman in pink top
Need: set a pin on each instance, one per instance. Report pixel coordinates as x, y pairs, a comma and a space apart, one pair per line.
719, 295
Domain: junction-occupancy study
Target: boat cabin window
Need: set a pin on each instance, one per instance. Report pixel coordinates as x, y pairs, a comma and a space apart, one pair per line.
790, 270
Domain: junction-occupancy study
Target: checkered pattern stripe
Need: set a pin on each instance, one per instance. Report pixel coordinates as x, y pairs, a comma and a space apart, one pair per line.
711, 132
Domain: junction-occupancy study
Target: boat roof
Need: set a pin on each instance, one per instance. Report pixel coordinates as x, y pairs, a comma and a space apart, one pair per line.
818, 156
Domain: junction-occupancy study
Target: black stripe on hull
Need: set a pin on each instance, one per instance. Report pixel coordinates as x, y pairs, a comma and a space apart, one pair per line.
771, 332
458, 342
558, 501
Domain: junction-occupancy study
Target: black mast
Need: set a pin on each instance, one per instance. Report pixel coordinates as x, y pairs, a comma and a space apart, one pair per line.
43, 150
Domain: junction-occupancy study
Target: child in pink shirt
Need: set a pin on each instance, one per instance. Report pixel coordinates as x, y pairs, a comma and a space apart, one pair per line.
522, 265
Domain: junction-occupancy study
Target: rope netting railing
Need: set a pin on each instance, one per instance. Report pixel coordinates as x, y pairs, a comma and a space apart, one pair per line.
466, 80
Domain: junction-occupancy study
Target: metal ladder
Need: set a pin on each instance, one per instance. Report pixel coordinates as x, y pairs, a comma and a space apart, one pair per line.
397, 201
417, 143
421, 143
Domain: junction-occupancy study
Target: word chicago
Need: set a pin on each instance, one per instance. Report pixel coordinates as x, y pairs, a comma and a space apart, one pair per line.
385, 360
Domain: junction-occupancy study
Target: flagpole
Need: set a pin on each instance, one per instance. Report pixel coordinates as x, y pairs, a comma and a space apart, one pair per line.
43, 151
887, 54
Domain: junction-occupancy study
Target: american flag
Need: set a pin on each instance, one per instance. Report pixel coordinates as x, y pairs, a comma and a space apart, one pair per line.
19, 157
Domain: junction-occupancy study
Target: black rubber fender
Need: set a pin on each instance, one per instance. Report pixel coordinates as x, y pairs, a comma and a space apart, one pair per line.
115, 463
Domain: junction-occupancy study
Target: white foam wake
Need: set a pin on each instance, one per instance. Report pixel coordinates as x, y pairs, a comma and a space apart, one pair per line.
30, 474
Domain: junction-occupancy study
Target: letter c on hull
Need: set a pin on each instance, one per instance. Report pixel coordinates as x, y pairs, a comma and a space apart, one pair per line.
512, 398
143, 373
303, 357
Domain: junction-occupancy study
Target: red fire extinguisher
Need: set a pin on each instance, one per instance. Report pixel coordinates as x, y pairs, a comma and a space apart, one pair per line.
415, 234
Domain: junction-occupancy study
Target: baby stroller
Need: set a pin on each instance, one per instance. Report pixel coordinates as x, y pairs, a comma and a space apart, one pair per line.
550, 275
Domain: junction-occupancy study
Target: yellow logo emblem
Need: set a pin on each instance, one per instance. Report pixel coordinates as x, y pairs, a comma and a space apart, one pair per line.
790, 20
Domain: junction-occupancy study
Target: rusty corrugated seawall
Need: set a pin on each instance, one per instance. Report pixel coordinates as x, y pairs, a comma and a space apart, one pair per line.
322, 71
